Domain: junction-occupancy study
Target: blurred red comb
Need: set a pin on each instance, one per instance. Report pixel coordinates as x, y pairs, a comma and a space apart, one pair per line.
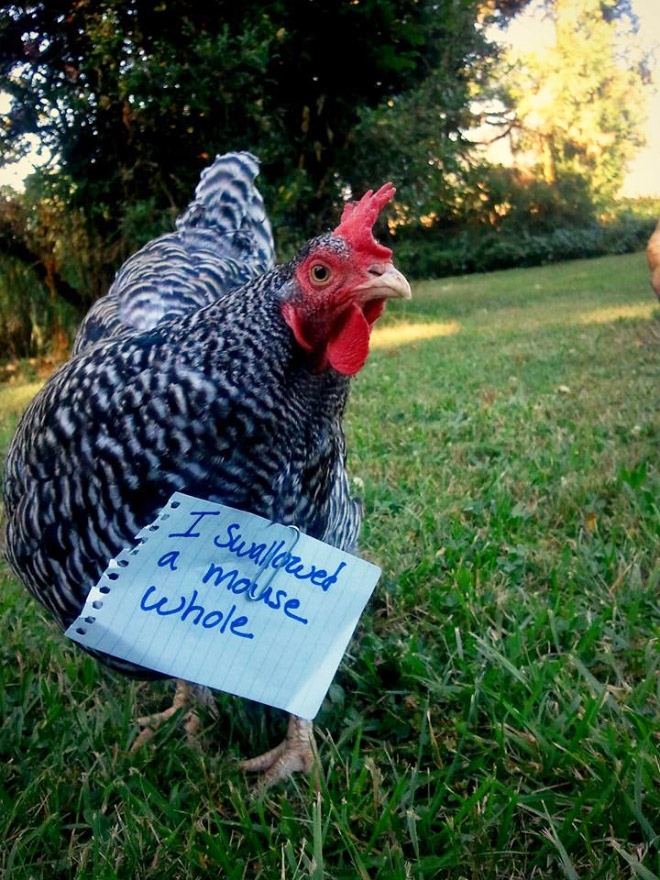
358, 218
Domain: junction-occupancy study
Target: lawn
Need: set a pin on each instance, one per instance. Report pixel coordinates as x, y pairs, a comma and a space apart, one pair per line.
497, 714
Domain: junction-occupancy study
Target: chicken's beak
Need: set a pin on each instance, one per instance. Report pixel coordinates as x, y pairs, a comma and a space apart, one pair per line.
384, 282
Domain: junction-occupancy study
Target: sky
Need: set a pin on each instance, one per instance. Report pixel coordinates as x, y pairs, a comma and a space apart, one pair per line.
528, 31
14, 174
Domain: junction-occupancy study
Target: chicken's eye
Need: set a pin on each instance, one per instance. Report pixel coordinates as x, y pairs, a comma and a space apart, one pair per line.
320, 273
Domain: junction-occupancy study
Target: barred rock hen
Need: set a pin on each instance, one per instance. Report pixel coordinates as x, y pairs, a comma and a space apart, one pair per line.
238, 401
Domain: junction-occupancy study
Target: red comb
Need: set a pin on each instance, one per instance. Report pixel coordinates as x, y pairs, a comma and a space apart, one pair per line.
358, 219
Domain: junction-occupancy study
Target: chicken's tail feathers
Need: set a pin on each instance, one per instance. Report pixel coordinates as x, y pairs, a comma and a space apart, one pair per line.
222, 241
228, 203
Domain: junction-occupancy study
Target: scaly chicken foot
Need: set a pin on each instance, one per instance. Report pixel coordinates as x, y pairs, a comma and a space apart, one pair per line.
296, 753
183, 698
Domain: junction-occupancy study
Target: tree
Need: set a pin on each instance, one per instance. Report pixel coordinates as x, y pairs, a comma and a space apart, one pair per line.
134, 97
580, 104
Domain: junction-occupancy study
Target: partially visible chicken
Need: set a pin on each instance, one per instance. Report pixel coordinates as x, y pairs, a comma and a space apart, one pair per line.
221, 241
653, 255
239, 401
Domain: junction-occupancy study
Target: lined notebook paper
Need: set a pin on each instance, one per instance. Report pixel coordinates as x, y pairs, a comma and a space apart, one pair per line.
227, 599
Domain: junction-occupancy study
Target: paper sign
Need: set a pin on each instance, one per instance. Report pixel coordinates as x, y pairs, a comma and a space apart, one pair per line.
228, 599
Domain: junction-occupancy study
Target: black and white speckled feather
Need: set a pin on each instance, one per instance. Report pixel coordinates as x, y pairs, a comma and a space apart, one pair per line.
222, 241
219, 402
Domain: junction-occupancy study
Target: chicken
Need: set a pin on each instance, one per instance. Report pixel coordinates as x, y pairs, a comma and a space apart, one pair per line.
239, 401
653, 255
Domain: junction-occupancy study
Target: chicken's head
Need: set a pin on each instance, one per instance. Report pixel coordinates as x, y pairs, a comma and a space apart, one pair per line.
341, 283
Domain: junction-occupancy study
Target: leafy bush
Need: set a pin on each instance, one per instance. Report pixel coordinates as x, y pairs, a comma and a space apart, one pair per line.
429, 256
32, 322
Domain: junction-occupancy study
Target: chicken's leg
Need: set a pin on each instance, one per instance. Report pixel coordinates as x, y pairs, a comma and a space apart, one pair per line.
295, 753
183, 698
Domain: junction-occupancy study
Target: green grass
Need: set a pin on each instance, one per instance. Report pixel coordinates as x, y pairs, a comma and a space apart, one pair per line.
497, 715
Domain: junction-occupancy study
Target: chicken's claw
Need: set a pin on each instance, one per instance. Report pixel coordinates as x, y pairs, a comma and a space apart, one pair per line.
150, 723
296, 753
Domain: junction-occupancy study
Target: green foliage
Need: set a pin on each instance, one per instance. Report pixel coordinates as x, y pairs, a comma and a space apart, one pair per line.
25, 322
580, 103
643, 207
497, 714
33, 323
33, 316
51, 269
418, 138
434, 256
134, 98
510, 201
508, 220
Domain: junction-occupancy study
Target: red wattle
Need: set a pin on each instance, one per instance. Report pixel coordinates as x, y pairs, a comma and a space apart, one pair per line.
348, 347
294, 321
373, 310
